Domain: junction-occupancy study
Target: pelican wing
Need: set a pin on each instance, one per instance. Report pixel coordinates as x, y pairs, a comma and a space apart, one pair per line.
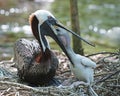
88, 63
23, 52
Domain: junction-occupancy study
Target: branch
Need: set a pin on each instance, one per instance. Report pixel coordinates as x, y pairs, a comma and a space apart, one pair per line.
21, 85
109, 76
114, 86
102, 53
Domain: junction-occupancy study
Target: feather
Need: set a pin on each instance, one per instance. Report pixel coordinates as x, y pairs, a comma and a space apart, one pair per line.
30, 69
87, 62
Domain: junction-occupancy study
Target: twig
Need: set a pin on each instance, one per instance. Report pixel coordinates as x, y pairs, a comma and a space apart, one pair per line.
103, 73
103, 58
114, 86
102, 53
11, 61
107, 77
20, 85
10, 94
66, 71
107, 90
52, 91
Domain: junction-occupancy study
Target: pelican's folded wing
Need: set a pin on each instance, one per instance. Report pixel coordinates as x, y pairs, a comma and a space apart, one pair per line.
88, 63
23, 52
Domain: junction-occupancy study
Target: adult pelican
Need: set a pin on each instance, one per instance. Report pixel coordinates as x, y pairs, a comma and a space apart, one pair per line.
35, 61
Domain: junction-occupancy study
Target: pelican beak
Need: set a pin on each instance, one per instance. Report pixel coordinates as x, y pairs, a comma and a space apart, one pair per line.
49, 28
73, 33
52, 22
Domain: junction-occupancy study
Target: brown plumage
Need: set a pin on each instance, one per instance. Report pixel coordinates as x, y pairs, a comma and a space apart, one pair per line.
34, 66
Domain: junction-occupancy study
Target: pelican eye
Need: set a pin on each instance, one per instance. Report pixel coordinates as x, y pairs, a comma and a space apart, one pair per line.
57, 29
51, 20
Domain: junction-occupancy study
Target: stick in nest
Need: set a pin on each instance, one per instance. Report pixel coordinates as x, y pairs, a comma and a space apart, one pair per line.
107, 77
19, 85
102, 53
54, 91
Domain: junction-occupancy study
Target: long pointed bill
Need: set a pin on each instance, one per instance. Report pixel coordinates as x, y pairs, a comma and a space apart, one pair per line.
59, 25
43, 47
50, 31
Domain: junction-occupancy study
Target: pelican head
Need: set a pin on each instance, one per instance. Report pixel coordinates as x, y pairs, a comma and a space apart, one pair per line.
44, 23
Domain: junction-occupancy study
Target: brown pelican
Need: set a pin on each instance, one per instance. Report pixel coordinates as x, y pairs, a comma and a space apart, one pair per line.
35, 61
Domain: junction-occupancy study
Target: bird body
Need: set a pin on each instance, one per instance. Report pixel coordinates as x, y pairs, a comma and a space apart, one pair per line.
81, 66
34, 66
83, 70
35, 61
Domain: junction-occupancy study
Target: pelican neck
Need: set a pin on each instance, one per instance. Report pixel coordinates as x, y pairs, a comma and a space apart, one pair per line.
71, 53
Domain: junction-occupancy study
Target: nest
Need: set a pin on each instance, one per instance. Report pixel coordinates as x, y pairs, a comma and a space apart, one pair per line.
107, 78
